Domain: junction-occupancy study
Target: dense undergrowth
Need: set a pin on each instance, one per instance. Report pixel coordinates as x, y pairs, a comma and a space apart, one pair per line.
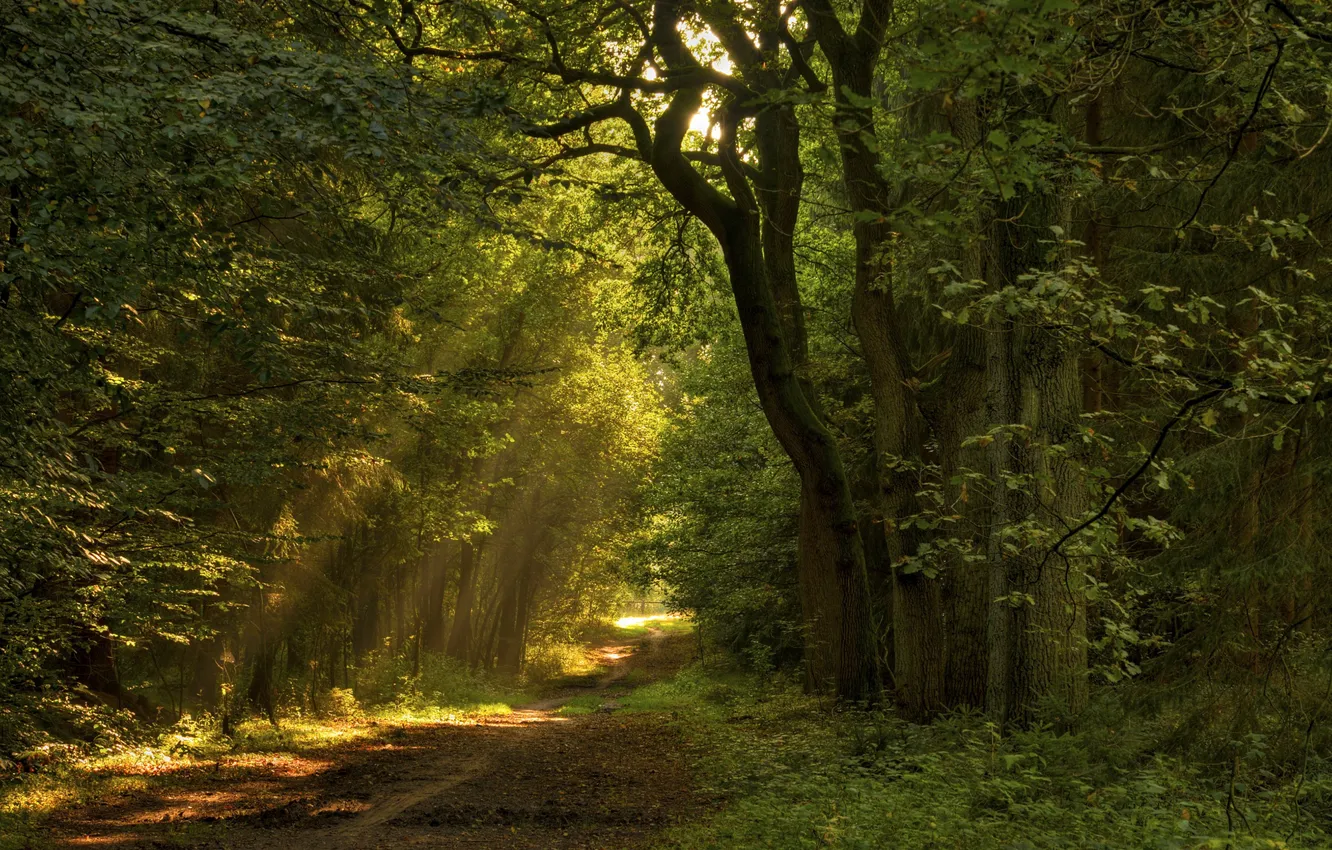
792, 775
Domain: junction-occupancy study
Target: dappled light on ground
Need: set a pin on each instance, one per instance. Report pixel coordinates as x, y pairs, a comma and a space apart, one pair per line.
577, 769
651, 620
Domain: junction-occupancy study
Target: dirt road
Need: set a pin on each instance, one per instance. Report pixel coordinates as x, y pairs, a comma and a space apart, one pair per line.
535, 778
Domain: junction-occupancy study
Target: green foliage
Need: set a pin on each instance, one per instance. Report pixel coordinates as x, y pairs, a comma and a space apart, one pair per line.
182, 273
720, 530
266, 353
793, 776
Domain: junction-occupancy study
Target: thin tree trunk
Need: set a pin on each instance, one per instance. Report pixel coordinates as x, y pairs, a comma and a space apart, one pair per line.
460, 634
431, 628
365, 629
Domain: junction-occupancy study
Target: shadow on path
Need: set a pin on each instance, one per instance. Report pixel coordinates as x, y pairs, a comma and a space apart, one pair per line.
534, 778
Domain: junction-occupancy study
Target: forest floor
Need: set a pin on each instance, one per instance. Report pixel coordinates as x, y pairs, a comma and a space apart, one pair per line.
568, 771
652, 751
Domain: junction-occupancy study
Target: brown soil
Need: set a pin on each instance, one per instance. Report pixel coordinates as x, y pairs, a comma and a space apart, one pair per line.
531, 779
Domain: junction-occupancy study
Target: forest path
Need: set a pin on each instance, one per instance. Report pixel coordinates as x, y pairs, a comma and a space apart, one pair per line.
533, 778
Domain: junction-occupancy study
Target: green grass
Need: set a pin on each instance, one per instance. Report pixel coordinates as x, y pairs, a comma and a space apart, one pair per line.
444, 689
793, 775
636, 627
695, 694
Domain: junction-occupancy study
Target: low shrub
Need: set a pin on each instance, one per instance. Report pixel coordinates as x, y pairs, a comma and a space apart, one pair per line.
443, 684
554, 659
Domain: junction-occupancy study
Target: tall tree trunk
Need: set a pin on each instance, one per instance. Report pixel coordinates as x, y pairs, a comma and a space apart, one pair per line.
1038, 648
841, 652
917, 612
95, 664
878, 561
526, 596
260, 692
918, 624
483, 653
841, 647
512, 614
956, 409
365, 629
431, 632
399, 610
508, 659
207, 670
965, 580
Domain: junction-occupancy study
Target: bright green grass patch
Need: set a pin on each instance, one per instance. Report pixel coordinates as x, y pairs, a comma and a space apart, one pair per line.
671, 624
694, 693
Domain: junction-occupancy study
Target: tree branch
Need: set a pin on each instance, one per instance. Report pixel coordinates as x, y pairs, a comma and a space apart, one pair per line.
1216, 381
1180, 414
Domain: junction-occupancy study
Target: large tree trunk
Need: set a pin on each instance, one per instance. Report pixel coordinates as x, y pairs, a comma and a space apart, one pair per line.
878, 561
841, 652
964, 575
899, 429
918, 626
1038, 648
841, 647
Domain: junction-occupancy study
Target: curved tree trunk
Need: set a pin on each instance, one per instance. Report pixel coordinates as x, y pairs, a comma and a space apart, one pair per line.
841, 651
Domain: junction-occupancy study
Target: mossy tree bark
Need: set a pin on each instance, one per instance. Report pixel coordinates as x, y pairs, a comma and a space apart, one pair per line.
899, 429
1038, 624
